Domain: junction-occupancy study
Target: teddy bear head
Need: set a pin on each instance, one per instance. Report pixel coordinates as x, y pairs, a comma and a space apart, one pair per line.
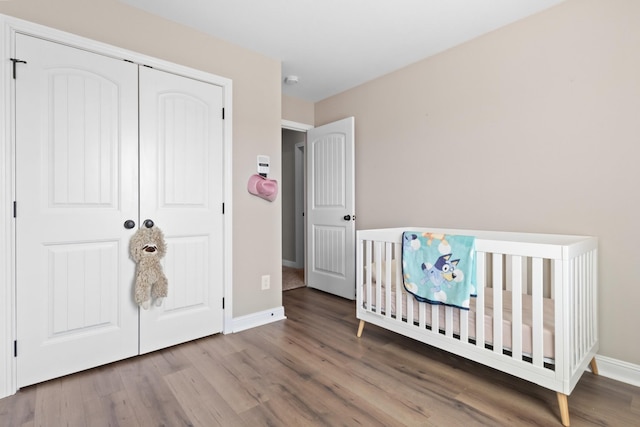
147, 243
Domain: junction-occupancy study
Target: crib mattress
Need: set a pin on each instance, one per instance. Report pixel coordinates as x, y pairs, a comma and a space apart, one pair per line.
507, 339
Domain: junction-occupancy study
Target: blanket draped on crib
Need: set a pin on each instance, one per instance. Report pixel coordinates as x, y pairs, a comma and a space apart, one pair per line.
438, 268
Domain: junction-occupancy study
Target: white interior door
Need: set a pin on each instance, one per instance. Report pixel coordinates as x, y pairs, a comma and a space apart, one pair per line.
331, 208
76, 184
181, 191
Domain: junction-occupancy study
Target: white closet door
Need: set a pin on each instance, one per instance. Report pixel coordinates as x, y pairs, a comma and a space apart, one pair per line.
76, 184
181, 191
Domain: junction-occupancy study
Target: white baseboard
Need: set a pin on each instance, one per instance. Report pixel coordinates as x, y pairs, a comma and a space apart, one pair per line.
292, 264
287, 263
257, 319
619, 370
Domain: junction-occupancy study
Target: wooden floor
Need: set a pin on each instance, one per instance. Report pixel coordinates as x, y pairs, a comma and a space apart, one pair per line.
310, 370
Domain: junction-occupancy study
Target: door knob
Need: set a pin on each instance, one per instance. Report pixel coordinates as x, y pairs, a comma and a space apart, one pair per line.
347, 217
148, 223
129, 224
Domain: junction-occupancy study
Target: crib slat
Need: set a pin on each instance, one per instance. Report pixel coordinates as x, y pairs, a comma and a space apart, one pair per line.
537, 311
448, 322
584, 319
578, 317
571, 326
497, 302
586, 286
593, 290
580, 349
359, 270
589, 297
397, 280
481, 271
378, 261
464, 325
562, 313
387, 279
409, 301
368, 291
525, 275
516, 307
435, 317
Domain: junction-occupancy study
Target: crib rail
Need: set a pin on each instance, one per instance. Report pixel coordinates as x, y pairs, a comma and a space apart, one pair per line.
534, 316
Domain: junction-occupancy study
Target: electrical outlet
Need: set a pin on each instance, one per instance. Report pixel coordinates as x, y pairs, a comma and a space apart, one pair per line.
266, 282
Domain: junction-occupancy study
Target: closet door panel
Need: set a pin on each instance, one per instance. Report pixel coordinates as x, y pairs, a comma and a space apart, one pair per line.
181, 161
76, 184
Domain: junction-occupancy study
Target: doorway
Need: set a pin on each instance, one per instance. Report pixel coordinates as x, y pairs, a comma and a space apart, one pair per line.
293, 198
326, 172
293, 145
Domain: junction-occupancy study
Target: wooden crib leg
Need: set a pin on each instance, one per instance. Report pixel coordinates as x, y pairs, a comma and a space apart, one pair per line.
360, 328
594, 366
564, 408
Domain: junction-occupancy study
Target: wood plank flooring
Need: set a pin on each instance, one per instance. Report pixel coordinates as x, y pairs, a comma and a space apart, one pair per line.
310, 370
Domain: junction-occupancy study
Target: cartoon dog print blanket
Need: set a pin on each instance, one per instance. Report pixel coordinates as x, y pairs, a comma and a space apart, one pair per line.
438, 268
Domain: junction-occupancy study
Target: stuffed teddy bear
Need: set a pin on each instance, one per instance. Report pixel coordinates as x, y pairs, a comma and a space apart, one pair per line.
147, 247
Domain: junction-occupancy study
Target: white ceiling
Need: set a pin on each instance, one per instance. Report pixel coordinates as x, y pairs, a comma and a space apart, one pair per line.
334, 45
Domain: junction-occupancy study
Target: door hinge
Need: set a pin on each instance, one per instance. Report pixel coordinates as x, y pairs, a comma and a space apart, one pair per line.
15, 209
15, 348
222, 113
16, 61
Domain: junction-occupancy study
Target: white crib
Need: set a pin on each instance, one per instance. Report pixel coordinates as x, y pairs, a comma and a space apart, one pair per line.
535, 316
